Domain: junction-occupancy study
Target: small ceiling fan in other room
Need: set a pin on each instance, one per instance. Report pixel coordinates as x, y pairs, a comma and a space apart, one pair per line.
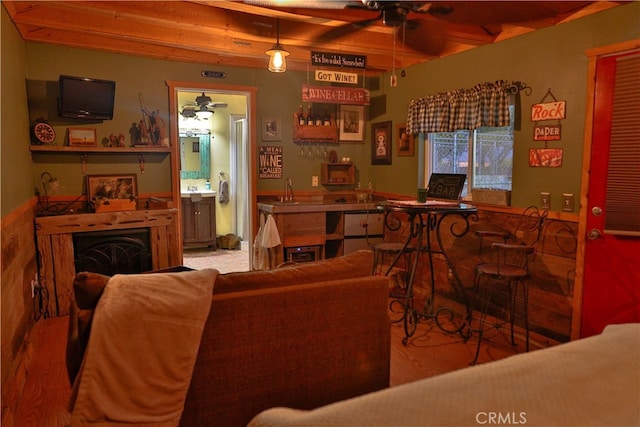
202, 108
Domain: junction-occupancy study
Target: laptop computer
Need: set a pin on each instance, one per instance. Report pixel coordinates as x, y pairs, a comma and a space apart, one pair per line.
445, 186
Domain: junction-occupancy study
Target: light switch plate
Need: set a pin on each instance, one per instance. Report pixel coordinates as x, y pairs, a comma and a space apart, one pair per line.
314, 181
545, 200
568, 202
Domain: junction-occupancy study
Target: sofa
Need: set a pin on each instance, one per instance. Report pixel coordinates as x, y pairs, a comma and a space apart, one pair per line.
592, 381
300, 336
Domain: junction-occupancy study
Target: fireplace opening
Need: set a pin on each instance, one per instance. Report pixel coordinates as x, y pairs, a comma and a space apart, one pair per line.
113, 252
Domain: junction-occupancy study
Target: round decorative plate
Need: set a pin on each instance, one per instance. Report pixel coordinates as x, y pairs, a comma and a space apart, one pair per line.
44, 132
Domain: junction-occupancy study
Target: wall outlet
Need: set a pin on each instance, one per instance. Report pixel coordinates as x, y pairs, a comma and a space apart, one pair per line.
314, 181
568, 202
545, 200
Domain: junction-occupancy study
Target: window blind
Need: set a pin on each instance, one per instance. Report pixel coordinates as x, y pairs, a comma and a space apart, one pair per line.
623, 181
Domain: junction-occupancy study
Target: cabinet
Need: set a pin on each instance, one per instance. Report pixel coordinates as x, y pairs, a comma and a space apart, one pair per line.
199, 221
338, 173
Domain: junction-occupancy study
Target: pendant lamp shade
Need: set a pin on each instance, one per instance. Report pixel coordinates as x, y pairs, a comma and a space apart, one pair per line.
277, 54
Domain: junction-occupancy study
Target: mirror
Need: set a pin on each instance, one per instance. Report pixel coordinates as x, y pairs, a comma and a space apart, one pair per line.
194, 157
190, 154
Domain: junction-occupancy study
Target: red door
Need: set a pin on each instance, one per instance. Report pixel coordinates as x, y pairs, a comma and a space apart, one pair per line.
611, 286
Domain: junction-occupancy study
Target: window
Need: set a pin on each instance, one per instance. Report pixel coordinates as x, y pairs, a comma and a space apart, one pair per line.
488, 149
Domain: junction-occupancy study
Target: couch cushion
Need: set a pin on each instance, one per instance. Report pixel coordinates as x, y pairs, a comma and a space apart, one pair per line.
355, 264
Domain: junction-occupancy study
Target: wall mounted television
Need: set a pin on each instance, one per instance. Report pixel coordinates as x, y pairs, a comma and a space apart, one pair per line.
86, 98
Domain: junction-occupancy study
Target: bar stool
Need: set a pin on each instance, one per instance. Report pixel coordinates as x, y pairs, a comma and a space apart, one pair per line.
508, 267
391, 259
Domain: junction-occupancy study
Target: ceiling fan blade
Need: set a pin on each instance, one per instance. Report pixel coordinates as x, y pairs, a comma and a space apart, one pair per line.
346, 29
426, 36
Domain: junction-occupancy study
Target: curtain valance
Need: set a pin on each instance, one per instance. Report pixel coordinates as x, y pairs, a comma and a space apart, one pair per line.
486, 104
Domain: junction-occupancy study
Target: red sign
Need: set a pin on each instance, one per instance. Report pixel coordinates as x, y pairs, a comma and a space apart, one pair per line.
547, 133
335, 95
548, 111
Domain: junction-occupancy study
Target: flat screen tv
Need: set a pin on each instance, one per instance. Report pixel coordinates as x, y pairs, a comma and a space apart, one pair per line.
86, 98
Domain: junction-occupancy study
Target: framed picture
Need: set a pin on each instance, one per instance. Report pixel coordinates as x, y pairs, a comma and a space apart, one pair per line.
351, 123
405, 145
271, 129
112, 192
381, 143
82, 137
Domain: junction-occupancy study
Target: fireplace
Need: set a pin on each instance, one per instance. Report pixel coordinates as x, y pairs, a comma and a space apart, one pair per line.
113, 252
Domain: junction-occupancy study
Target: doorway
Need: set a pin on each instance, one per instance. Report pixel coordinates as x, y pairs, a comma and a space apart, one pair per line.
230, 153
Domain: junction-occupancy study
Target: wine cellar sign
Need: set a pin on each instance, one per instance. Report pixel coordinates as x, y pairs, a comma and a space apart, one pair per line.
270, 158
335, 95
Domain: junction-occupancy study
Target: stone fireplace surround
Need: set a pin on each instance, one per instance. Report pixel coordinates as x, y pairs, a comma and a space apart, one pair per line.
55, 245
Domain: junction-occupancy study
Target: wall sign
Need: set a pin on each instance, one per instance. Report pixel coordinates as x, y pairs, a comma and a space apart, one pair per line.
336, 77
214, 74
270, 158
548, 111
547, 132
335, 95
327, 59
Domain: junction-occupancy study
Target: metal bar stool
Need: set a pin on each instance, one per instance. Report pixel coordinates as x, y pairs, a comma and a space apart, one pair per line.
508, 267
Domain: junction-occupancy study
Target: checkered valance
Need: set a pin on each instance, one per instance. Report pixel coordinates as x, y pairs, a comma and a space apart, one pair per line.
485, 104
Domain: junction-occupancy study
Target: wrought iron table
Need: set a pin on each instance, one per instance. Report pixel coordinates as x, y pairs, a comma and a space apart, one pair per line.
425, 220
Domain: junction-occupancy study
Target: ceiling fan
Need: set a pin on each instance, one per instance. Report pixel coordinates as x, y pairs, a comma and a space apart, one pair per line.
202, 108
424, 35
407, 17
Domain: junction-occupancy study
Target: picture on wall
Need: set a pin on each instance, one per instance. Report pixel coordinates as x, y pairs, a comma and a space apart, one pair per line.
351, 123
112, 192
545, 157
271, 129
406, 143
381, 143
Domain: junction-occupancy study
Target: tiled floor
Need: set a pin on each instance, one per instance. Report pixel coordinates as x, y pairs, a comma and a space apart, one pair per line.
223, 260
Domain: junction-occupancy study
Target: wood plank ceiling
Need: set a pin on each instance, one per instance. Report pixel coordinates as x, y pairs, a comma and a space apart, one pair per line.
237, 33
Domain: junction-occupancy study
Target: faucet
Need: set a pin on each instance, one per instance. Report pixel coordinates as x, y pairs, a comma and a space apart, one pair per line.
288, 190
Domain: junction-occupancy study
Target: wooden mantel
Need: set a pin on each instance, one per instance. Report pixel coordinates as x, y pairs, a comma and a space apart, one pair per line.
56, 253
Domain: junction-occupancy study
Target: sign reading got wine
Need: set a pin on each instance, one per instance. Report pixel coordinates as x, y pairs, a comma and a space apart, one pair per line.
335, 95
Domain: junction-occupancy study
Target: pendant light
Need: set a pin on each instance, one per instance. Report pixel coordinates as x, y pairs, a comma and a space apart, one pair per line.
277, 54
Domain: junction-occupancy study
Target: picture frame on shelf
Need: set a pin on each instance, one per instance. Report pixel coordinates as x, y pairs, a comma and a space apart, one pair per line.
82, 137
271, 129
351, 123
405, 145
106, 193
381, 143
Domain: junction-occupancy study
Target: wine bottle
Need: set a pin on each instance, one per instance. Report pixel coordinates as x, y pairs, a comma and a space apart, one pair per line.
301, 120
309, 115
318, 120
327, 118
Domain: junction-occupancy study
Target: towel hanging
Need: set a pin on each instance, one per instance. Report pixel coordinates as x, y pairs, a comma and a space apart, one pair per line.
223, 189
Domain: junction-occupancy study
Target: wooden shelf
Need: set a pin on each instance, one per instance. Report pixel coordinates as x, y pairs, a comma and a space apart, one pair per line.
106, 150
338, 173
314, 133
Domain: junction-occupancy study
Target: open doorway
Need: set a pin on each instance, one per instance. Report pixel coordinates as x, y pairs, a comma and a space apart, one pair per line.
226, 126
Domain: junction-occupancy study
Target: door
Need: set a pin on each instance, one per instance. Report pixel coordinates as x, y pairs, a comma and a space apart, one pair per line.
611, 284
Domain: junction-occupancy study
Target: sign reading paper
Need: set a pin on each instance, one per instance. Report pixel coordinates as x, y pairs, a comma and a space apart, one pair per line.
336, 77
335, 95
326, 59
270, 158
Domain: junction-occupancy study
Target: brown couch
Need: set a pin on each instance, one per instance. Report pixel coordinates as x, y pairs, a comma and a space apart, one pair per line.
299, 336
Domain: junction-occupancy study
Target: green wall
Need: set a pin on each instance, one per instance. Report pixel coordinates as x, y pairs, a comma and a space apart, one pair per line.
15, 166
551, 58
